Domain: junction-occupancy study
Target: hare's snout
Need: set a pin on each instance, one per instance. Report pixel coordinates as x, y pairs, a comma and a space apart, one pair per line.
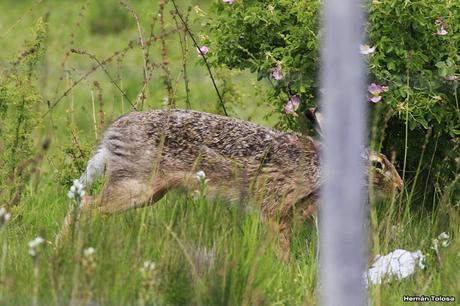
399, 185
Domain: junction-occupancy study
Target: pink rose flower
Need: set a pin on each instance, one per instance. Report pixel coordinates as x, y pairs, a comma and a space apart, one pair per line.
450, 77
295, 102
292, 105
278, 73
375, 99
375, 91
289, 108
203, 50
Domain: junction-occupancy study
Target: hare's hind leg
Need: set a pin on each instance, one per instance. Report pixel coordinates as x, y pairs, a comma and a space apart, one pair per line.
133, 193
127, 193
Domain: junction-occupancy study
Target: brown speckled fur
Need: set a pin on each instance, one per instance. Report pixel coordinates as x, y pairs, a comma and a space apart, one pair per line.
148, 153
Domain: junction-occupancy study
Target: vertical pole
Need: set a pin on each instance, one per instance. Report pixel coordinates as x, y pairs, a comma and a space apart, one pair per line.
342, 210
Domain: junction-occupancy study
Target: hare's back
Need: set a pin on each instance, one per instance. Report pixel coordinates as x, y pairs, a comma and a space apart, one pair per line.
191, 130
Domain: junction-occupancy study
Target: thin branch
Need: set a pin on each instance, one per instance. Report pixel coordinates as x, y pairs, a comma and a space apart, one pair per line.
146, 73
103, 62
102, 65
184, 49
202, 55
163, 51
87, 74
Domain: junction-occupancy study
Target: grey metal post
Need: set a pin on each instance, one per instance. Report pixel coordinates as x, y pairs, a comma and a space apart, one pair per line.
342, 209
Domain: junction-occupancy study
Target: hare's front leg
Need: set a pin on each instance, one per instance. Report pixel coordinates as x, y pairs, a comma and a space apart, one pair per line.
280, 226
304, 209
307, 207
285, 237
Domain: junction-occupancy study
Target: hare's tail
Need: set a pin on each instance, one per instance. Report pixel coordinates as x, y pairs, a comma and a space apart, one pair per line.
95, 168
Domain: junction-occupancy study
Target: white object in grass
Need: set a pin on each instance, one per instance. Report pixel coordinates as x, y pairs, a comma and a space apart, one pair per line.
398, 264
34, 244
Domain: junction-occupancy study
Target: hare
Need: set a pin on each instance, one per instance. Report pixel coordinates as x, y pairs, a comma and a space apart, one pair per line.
146, 154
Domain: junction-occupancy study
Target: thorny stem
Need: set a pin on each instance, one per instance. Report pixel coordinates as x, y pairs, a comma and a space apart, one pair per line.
167, 73
102, 65
108, 59
98, 88
94, 114
184, 49
430, 167
3, 262
36, 272
146, 74
456, 100
202, 55
85, 76
120, 79
13, 26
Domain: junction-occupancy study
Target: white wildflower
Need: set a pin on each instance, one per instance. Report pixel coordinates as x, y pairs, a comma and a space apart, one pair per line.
398, 264
4, 217
89, 251
147, 267
34, 245
89, 262
443, 235
76, 191
200, 175
444, 238
149, 283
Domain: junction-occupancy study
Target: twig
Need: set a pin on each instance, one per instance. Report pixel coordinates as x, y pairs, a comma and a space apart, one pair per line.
184, 49
102, 65
93, 69
20, 19
94, 113
146, 73
163, 51
202, 55
120, 79
98, 87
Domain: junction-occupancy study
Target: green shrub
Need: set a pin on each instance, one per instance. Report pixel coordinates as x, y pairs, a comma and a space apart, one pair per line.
417, 55
19, 117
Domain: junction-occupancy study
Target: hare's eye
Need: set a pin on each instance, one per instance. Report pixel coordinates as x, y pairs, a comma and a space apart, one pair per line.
377, 165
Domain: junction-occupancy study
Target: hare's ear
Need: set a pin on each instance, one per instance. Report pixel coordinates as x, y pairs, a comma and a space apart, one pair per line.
316, 118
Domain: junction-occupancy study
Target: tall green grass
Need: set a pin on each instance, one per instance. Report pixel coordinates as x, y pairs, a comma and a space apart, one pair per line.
206, 252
